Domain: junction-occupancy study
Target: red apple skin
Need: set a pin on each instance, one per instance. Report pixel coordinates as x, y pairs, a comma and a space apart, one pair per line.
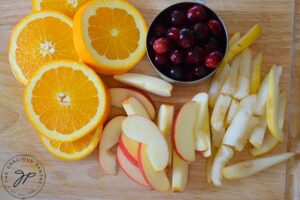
123, 148
141, 166
128, 174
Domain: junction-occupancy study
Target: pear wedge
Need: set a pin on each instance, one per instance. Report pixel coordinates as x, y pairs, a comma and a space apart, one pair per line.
255, 73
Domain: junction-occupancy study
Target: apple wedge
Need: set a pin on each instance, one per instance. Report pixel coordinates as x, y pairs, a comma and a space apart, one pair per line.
132, 171
272, 109
129, 148
233, 108
250, 167
158, 180
148, 83
183, 135
257, 136
201, 128
144, 131
223, 155
119, 94
165, 124
107, 145
180, 173
218, 115
132, 106
243, 82
217, 84
234, 39
255, 73
229, 86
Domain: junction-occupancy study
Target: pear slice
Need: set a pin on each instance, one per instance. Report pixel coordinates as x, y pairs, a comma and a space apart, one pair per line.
233, 108
230, 83
243, 82
217, 136
273, 103
217, 83
209, 163
255, 73
224, 154
219, 112
234, 39
250, 167
258, 133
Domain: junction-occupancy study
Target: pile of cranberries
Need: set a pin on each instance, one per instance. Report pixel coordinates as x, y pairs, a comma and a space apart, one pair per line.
186, 43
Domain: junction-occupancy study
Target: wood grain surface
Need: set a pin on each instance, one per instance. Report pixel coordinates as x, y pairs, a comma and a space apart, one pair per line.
280, 44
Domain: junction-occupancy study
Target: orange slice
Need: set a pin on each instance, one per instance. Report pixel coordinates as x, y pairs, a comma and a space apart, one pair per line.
37, 39
66, 100
73, 150
110, 35
68, 7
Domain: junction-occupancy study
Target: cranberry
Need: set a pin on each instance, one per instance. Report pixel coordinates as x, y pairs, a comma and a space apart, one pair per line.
186, 38
200, 71
213, 59
160, 59
195, 56
151, 41
212, 45
188, 76
159, 30
176, 57
215, 27
201, 31
161, 45
178, 18
196, 14
176, 72
173, 34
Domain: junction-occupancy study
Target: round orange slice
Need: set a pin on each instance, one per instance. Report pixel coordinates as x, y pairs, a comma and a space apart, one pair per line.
68, 7
37, 39
73, 150
66, 100
110, 35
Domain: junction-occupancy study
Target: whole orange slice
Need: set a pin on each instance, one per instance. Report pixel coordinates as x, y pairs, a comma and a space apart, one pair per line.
110, 35
68, 7
75, 150
37, 39
66, 100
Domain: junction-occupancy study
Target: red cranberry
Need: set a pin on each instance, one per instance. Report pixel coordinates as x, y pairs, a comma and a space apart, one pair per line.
177, 18
196, 14
176, 57
176, 72
215, 27
189, 76
186, 38
200, 71
195, 56
151, 41
159, 30
161, 45
160, 59
173, 34
212, 45
213, 59
201, 31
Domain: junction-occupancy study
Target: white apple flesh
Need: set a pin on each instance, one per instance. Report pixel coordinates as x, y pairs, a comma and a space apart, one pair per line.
132, 106
180, 173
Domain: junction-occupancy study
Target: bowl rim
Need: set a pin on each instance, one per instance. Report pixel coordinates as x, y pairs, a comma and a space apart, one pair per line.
167, 78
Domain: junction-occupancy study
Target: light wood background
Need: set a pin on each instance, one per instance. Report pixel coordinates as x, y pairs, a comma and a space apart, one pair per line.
280, 44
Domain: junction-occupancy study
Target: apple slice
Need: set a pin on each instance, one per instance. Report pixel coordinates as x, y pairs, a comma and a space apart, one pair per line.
224, 154
217, 83
158, 180
144, 131
183, 135
255, 73
132, 106
273, 103
108, 142
217, 136
219, 112
145, 82
129, 148
229, 86
233, 108
180, 173
201, 128
250, 167
132, 171
243, 82
234, 39
119, 94
258, 133
165, 124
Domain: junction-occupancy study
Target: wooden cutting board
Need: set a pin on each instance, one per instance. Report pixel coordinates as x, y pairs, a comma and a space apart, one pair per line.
280, 44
